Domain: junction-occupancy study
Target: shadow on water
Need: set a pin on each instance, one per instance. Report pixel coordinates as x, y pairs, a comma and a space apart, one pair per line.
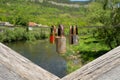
43, 54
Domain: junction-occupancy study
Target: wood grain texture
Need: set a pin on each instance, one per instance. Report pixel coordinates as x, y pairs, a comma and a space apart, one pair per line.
98, 67
61, 44
7, 74
21, 66
13, 66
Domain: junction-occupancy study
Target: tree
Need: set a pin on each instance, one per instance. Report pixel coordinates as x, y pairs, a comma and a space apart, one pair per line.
109, 16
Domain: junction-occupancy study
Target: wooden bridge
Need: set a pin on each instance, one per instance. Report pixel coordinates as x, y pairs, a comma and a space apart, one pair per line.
13, 66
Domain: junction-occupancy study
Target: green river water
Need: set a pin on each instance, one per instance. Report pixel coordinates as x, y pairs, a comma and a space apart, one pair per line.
43, 54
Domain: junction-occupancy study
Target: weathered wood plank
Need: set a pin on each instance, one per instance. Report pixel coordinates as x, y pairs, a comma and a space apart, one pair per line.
13, 66
21, 66
113, 74
98, 67
7, 74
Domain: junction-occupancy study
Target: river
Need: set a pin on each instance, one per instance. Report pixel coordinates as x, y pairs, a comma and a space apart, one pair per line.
43, 54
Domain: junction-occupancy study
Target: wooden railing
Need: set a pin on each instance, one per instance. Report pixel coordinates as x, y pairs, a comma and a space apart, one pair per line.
19, 65
13, 66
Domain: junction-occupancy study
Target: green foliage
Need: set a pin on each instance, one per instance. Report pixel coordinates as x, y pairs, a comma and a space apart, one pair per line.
88, 49
20, 12
10, 35
18, 34
71, 66
107, 14
93, 42
29, 36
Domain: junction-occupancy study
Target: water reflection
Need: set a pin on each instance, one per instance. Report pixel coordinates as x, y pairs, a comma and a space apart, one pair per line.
43, 54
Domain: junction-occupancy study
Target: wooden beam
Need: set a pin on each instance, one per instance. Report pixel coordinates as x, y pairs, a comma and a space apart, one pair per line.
21, 66
98, 67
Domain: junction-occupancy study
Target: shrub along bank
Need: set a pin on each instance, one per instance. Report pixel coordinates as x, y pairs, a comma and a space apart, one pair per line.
88, 49
20, 34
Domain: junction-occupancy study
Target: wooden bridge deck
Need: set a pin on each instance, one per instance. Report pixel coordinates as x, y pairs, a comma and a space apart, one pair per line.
13, 66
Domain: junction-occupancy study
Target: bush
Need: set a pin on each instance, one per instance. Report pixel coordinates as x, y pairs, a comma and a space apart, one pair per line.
29, 36
20, 34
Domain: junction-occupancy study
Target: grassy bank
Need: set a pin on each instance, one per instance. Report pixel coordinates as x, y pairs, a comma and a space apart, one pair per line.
21, 34
88, 49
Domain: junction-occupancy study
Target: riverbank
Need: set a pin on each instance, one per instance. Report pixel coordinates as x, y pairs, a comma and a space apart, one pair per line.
22, 34
88, 49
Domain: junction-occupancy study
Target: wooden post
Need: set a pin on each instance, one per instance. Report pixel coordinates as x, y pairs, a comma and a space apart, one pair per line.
61, 40
61, 44
73, 37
